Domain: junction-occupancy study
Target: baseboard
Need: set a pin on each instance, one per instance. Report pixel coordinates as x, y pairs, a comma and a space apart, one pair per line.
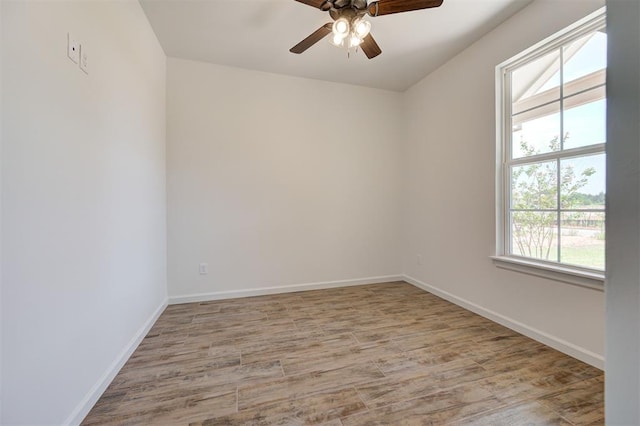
557, 343
81, 411
203, 297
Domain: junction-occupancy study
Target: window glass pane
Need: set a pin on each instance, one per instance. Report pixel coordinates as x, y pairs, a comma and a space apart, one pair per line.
582, 239
585, 124
583, 58
534, 186
536, 131
555, 164
582, 182
534, 234
536, 80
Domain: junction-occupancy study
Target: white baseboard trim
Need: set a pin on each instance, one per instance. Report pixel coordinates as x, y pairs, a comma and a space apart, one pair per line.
557, 343
87, 403
220, 295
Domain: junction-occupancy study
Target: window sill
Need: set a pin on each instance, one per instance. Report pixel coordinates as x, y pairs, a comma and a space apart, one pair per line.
563, 274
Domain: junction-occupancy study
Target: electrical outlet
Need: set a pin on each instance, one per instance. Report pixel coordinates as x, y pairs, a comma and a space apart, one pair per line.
203, 268
419, 259
84, 59
73, 48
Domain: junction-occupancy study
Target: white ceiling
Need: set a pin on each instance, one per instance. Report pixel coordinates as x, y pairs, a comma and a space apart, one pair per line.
257, 35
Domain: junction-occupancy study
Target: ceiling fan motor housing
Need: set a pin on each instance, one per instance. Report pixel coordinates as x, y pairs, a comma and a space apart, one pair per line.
341, 5
348, 13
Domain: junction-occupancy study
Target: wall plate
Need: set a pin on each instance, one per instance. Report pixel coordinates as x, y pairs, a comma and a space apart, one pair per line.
84, 59
73, 48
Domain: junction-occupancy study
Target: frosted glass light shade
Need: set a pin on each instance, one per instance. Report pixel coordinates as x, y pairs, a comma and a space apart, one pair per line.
336, 40
362, 28
341, 27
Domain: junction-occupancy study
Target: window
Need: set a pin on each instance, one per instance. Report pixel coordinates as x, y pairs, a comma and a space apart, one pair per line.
551, 169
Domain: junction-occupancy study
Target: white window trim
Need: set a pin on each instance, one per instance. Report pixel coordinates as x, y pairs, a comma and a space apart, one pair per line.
555, 271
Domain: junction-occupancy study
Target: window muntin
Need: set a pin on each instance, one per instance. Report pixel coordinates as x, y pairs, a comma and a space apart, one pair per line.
553, 145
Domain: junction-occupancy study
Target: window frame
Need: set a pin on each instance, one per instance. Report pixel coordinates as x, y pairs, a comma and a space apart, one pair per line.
571, 274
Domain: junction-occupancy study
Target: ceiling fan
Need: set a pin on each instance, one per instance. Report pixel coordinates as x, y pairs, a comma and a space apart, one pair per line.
349, 28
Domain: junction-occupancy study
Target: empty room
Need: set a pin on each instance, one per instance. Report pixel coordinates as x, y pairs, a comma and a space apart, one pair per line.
330, 212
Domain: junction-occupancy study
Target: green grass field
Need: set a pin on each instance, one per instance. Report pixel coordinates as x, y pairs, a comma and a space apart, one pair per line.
584, 251
590, 256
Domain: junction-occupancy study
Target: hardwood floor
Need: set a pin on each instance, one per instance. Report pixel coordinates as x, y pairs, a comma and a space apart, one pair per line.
376, 354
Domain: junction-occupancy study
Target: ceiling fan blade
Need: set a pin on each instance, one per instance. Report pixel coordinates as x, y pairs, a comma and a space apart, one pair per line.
315, 37
318, 4
387, 7
370, 47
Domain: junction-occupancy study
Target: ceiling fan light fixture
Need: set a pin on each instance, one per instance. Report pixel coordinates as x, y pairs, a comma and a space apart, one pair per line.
354, 41
341, 27
337, 40
361, 28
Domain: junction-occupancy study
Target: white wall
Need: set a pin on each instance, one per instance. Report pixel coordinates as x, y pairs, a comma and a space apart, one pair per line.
1, 338
449, 199
622, 386
278, 181
83, 201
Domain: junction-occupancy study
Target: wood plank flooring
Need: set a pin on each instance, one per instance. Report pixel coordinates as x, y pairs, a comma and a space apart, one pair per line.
376, 354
